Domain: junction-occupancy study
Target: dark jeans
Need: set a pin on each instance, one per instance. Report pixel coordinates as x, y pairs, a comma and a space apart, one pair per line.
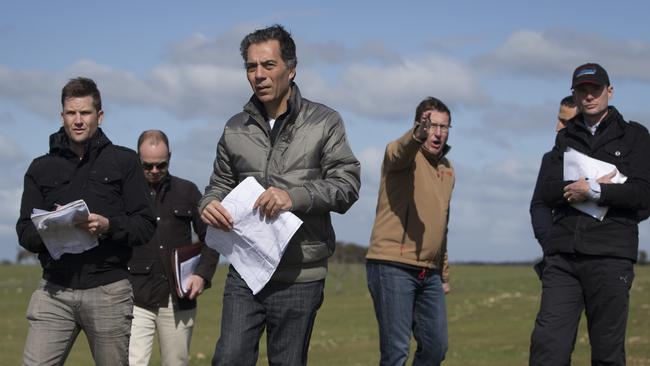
57, 314
287, 310
405, 301
571, 283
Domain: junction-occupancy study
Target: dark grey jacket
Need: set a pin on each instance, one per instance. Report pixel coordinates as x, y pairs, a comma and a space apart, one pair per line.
310, 159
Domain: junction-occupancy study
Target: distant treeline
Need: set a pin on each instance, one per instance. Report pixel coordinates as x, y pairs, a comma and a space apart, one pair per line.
347, 253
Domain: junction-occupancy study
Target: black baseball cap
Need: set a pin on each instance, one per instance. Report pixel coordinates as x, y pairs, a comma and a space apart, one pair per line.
590, 73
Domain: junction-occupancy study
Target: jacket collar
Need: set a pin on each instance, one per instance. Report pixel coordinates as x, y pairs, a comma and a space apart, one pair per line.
162, 188
255, 108
60, 144
610, 128
433, 158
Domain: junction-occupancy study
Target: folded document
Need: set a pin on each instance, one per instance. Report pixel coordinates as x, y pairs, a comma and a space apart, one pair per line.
59, 232
256, 244
578, 165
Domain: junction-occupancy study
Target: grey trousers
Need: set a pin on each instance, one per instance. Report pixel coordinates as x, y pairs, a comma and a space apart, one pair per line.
57, 314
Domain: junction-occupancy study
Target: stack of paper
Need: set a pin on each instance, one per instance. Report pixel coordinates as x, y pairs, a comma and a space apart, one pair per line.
59, 232
256, 244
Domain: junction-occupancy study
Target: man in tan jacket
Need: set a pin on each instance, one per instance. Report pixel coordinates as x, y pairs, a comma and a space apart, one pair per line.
407, 258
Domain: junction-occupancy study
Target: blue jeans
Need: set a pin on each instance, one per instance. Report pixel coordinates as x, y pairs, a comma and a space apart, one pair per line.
287, 310
408, 300
57, 314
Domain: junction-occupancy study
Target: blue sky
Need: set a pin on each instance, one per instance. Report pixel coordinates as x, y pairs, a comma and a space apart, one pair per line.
502, 67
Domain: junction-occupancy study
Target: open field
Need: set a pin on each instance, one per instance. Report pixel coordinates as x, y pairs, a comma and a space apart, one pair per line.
491, 313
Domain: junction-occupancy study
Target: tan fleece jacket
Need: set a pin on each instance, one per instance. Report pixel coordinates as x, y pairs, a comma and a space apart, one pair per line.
413, 207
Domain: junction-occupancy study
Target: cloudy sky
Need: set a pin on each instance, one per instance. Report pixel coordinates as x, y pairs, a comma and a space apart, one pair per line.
501, 66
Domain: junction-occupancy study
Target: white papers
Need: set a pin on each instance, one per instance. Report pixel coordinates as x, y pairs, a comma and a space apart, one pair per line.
186, 271
578, 165
255, 245
59, 232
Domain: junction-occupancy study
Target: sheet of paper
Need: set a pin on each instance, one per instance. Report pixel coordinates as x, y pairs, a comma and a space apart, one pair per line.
578, 165
186, 270
58, 229
256, 244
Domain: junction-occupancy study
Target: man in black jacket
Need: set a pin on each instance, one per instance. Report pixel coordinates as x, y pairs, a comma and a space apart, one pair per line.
541, 215
89, 291
589, 262
157, 304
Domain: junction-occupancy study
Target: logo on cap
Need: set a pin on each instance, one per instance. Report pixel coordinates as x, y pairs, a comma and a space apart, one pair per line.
589, 73
584, 72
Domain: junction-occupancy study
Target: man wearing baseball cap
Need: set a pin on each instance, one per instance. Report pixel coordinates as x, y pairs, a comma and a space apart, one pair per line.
589, 262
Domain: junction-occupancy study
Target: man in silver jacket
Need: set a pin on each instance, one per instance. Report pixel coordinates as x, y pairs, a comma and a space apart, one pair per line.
298, 151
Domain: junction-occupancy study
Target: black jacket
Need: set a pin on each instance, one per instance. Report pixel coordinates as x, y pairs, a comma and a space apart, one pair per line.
175, 205
627, 146
541, 216
109, 178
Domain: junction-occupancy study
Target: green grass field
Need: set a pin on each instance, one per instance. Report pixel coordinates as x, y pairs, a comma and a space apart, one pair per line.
491, 312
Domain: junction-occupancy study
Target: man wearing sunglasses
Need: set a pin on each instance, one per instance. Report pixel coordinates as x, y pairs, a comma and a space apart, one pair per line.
158, 307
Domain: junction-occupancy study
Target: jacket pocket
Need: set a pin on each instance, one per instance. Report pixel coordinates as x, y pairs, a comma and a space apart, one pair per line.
183, 211
53, 189
617, 152
315, 251
107, 186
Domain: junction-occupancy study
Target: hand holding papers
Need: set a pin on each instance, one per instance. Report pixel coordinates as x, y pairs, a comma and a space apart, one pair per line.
256, 244
578, 165
59, 232
184, 261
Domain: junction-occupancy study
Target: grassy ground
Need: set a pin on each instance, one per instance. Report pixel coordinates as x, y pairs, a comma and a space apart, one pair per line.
491, 313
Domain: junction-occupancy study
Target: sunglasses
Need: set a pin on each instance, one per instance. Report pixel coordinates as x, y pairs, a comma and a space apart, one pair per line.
150, 166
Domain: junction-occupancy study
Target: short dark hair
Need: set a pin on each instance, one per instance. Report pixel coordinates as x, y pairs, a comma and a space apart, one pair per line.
274, 32
82, 87
568, 102
156, 136
431, 103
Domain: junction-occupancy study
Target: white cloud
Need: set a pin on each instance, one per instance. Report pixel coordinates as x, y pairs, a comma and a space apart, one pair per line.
10, 202
371, 159
489, 214
506, 124
389, 91
185, 90
312, 54
222, 50
31, 89
9, 151
556, 52
203, 76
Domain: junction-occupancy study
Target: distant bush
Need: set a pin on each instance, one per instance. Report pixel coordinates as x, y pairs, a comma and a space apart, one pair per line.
349, 253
